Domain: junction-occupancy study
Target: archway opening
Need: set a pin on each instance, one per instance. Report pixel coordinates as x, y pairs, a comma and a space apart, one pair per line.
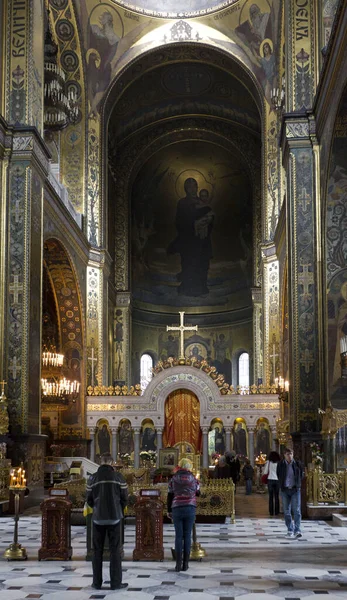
184, 147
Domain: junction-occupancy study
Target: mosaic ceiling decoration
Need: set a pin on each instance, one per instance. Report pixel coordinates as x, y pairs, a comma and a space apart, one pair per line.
175, 8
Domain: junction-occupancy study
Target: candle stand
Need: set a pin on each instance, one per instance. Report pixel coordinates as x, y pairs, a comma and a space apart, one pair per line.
17, 485
196, 551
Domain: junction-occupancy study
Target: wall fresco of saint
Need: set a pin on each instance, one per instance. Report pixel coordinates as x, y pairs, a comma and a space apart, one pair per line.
192, 229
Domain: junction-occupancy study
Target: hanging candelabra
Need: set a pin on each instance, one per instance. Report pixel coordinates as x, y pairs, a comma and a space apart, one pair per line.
60, 104
15, 551
57, 391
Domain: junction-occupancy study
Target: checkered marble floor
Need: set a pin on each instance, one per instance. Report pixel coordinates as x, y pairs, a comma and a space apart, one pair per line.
250, 558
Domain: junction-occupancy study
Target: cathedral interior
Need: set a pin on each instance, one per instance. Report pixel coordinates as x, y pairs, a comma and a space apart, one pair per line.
173, 225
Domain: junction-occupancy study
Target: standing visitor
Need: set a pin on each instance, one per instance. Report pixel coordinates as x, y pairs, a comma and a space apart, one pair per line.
222, 469
107, 494
181, 507
290, 473
248, 472
270, 469
234, 465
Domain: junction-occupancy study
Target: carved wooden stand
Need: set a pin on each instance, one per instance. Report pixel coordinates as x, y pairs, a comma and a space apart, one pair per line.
56, 527
149, 526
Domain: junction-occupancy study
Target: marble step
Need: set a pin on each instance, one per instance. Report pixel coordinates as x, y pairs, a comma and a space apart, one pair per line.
340, 520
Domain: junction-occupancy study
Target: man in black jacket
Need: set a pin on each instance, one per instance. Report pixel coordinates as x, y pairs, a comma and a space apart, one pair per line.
107, 494
290, 473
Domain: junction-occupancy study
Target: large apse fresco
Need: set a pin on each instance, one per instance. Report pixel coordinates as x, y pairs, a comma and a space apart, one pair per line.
192, 228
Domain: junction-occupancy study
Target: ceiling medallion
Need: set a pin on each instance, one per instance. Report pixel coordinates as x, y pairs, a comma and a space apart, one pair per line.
174, 9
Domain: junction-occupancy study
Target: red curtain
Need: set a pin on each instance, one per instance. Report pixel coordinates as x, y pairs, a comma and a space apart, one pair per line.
182, 419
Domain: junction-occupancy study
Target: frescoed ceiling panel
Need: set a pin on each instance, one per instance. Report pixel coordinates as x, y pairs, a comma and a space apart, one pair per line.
175, 8
179, 89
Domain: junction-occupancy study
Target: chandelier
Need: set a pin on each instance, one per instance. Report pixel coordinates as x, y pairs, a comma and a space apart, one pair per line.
57, 392
60, 105
50, 356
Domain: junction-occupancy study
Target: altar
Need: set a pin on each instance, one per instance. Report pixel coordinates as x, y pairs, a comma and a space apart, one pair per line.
187, 400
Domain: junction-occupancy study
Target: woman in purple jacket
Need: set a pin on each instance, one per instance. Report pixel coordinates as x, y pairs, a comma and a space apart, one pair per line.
181, 507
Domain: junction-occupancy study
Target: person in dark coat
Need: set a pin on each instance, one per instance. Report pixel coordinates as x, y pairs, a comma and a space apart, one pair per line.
222, 469
248, 472
234, 465
107, 494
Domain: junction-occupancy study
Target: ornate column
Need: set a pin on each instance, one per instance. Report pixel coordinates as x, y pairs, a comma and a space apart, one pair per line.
304, 242
228, 431
273, 436
92, 431
329, 448
205, 461
97, 316
258, 365
136, 447
122, 337
159, 431
5, 146
270, 294
114, 431
304, 274
251, 444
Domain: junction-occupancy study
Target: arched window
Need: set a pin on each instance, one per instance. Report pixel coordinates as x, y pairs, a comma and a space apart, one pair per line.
244, 369
146, 367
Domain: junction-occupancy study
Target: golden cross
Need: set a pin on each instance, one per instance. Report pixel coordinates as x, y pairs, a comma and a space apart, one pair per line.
305, 199
274, 356
306, 278
14, 367
93, 360
15, 288
182, 328
307, 360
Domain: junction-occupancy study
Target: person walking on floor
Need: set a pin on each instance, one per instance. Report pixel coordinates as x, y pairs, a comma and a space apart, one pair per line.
273, 486
290, 473
107, 494
181, 507
248, 473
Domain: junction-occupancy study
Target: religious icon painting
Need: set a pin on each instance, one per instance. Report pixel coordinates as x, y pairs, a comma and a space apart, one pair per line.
168, 457
103, 438
240, 438
262, 438
148, 437
126, 439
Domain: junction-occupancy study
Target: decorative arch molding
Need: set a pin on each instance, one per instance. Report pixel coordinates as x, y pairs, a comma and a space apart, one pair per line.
213, 405
133, 156
68, 299
185, 377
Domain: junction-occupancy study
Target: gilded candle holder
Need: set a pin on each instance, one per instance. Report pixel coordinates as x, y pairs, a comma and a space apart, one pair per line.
15, 551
